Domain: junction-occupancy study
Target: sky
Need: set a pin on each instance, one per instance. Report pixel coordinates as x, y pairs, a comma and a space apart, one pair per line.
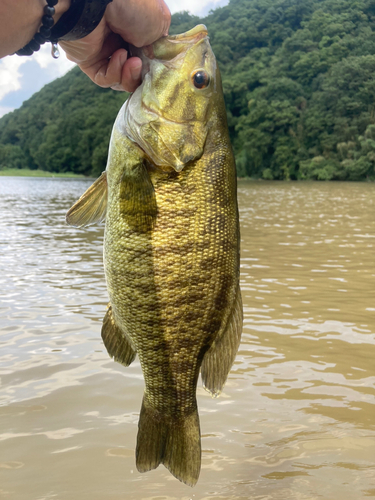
21, 77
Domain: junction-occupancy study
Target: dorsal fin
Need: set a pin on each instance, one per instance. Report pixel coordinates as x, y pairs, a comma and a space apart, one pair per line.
92, 205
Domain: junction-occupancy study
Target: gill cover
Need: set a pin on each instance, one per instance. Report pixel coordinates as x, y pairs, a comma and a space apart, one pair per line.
167, 115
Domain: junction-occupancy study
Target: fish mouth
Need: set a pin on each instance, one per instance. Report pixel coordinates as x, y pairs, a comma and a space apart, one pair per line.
195, 34
168, 47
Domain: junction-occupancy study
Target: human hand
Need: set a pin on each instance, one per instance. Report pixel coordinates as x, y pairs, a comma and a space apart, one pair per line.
101, 54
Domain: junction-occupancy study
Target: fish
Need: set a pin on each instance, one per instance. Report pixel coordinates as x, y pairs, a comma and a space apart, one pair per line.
168, 197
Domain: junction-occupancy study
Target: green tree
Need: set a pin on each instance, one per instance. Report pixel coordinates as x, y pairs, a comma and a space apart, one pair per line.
12, 156
298, 85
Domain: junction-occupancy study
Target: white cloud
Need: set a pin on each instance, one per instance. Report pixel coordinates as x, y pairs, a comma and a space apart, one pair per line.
9, 75
58, 66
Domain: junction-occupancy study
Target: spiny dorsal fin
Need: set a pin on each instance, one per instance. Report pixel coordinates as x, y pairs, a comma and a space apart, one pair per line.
116, 341
92, 205
219, 359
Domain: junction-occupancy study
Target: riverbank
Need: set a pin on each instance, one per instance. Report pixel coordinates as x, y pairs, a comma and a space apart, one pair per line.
25, 172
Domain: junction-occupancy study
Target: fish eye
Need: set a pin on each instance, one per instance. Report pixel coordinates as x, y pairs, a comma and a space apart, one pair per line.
200, 79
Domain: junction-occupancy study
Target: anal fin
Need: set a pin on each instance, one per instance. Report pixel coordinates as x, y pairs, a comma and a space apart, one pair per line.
116, 341
219, 359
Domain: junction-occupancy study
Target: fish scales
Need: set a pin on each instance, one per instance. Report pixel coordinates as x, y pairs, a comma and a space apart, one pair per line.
170, 284
171, 250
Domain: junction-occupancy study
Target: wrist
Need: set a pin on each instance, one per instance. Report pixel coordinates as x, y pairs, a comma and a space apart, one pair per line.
21, 19
81, 19
51, 15
61, 7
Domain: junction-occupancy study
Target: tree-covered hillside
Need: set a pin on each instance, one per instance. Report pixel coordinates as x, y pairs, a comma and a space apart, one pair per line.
64, 127
299, 84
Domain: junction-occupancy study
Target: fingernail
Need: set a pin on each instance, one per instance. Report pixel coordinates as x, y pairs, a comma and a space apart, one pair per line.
135, 72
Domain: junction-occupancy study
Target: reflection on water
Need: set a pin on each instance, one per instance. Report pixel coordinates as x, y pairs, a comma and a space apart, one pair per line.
297, 417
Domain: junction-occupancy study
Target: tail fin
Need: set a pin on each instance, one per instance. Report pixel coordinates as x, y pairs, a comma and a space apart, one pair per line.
176, 444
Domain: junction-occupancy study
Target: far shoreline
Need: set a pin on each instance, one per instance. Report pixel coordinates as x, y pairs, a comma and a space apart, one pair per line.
25, 172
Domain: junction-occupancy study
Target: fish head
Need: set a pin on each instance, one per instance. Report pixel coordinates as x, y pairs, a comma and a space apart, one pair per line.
168, 114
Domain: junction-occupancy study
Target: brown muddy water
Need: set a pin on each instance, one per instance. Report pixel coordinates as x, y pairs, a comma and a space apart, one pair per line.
297, 416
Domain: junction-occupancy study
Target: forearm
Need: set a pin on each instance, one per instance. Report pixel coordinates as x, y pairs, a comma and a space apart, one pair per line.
21, 19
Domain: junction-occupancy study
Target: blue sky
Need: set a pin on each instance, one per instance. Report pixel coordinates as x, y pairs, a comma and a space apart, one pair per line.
21, 77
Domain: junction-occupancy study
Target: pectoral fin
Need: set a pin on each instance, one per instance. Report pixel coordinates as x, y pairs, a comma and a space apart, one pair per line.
116, 341
219, 359
92, 205
137, 198
137, 194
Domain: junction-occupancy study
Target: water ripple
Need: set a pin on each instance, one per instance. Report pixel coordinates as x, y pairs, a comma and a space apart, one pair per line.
295, 419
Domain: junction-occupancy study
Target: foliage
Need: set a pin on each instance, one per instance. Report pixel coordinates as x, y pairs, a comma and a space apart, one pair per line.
12, 156
299, 85
63, 128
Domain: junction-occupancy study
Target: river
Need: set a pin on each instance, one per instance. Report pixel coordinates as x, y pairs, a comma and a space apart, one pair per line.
296, 419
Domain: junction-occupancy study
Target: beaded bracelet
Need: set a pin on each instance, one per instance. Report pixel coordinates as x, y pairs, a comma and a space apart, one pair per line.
43, 34
80, 20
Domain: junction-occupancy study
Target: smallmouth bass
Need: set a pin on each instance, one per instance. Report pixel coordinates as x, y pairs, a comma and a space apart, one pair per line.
171, 250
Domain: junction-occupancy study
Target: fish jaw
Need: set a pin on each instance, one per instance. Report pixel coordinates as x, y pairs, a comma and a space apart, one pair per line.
169, 47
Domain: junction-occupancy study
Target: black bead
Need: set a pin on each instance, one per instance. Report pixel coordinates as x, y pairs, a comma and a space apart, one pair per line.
34, 45
21, 52
49, 11
40, 38
48, 21
27, 51
46, 32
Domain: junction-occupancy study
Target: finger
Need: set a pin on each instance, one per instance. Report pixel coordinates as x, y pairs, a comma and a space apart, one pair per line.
131, 74
107, 72
104, 68
139, 22
120, 73
116, 72
87, 50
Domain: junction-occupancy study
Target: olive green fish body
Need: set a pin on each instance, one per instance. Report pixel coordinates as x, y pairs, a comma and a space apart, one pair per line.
171, 250
173, 281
